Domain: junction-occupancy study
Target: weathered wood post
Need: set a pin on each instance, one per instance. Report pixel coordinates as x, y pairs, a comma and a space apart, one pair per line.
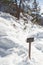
29, 40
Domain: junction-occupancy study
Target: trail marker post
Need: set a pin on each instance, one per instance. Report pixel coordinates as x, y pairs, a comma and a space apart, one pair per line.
29, 40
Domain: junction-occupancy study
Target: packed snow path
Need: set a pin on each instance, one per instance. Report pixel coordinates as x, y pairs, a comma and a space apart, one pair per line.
13, 46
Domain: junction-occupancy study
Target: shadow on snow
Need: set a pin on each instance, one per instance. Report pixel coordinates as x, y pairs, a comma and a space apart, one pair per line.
6, 48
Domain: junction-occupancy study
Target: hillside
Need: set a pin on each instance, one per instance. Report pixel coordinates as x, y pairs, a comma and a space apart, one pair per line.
13, 45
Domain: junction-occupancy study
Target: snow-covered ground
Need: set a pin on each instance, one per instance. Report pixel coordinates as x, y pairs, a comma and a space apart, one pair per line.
13, 45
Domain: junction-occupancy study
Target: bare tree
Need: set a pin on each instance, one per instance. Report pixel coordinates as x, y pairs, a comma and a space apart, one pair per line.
19, 8
35, 10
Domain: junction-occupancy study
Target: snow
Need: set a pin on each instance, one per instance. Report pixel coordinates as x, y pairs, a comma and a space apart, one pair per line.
13, 45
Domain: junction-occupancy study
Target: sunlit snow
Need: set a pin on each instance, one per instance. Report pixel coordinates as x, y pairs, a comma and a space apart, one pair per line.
13, 45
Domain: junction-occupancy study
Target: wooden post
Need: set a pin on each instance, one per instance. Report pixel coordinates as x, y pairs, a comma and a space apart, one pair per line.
29, 50
29, 40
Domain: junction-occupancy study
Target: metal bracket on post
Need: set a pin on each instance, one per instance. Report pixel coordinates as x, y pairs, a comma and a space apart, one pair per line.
29, 40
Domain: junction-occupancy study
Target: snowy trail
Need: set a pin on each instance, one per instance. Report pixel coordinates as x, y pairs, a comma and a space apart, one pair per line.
13, 46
